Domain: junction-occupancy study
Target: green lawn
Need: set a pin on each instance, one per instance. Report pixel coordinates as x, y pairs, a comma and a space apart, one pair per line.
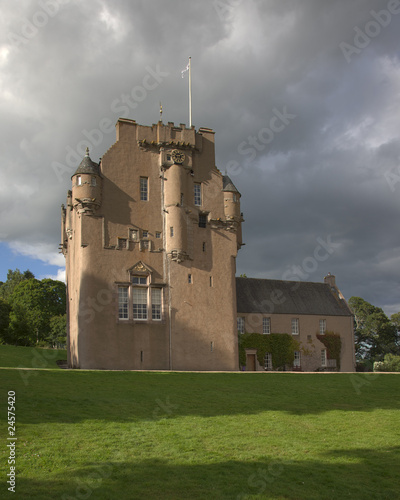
172, 436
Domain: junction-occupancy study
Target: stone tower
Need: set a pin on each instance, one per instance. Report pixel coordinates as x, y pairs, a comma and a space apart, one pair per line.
150, 236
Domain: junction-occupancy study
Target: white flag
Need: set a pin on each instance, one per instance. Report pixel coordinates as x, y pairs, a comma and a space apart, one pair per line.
184, 71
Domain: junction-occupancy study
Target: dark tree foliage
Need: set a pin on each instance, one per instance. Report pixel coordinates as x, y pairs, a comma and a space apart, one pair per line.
27, 308
375, 334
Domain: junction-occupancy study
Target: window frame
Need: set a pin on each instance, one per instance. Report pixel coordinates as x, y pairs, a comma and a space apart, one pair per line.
268, 362
143, 300
295, 326
266, 325
197, 194
322, 326
123, 304
144, 189
241, 324
324, 358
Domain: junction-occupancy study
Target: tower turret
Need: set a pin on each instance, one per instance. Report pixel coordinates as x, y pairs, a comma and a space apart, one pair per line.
232, 206
86, 186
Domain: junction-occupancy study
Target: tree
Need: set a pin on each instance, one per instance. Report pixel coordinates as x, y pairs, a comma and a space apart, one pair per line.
58, 330
34, 303
375, 334
13, 279
4, 320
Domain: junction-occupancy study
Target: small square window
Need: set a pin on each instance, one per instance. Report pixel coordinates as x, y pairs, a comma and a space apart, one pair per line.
145, 234
122, 243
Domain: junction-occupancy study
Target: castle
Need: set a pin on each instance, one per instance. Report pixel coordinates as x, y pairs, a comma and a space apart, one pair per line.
150, 236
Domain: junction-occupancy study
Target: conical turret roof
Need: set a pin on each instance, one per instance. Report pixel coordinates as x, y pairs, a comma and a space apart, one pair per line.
228, 185
87, 166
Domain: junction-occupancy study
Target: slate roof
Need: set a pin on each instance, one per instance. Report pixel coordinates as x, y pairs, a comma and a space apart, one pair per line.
228, 185
288, 297
87, 166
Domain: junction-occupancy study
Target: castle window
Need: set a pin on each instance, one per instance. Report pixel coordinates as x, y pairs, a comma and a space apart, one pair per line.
146, 302
204, 246
297, 359
322, 326
139, 303
93, 181
171, 231
134, 234
156, 304
202, 220
144, 189
158, 235
189, 279
145, 234
234, 198
240, 325
122, 243
145, 245
79, 180
139, 280
123, 312
323, 358
197, 194
266, 326
182, 199
268, 361
295, 326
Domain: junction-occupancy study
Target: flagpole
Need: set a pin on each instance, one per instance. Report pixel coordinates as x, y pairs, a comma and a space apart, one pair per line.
190, 92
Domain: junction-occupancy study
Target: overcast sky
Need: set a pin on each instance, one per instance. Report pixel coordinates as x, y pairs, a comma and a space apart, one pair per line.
304, 97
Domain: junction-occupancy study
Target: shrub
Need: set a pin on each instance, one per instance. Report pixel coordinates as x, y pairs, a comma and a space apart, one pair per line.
391, 363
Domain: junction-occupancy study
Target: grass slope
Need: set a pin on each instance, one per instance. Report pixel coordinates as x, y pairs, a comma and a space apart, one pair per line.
172, 436
30, 357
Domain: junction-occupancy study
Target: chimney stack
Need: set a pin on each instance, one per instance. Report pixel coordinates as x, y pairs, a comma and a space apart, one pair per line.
330, 280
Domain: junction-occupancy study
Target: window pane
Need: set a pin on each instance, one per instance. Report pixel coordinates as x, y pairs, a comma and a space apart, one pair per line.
295, 326
268, 361
266, 326
143, 189
296, 361
202, 220
123, 303
323, 357
156, 304
240, 325
139, 303
322, 326
197, 194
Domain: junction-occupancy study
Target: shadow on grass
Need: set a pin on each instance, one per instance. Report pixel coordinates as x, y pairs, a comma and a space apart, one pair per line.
360, 474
